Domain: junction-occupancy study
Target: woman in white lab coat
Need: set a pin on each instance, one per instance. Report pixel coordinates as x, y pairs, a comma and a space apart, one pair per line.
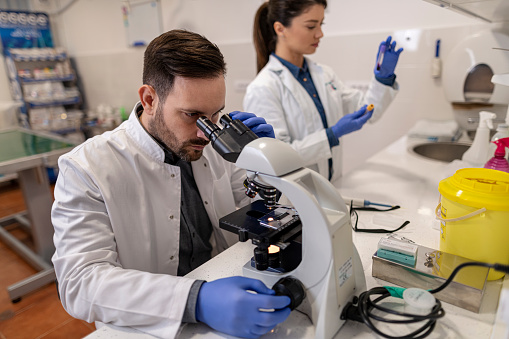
305, 102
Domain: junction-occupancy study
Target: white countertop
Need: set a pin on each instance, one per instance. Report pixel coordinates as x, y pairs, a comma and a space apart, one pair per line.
393, 176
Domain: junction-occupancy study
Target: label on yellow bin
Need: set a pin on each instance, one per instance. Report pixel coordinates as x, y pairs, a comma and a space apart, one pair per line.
443, 211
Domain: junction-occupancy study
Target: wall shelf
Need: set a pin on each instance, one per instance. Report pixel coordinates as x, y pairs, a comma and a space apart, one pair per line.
44, 81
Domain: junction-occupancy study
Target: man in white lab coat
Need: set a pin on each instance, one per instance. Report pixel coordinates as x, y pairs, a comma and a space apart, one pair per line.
137, 208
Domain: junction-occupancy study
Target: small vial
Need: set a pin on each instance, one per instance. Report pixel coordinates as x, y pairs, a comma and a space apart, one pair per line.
380, 57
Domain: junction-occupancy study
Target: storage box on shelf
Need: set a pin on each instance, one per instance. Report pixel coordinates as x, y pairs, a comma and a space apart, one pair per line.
44, 80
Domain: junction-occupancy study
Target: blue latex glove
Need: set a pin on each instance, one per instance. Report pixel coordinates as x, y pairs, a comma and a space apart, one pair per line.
226, 306
387, 58
257, 124
351, 122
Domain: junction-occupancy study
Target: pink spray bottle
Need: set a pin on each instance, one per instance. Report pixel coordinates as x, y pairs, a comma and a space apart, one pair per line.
499, 162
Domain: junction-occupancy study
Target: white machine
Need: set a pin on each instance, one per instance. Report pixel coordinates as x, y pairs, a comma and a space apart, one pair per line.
330, 269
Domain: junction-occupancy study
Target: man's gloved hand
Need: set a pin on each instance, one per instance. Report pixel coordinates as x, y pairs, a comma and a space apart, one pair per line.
385, 67
257, 124
228, 307
351, 122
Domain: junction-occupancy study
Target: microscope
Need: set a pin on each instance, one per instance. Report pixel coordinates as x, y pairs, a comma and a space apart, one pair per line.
304, 250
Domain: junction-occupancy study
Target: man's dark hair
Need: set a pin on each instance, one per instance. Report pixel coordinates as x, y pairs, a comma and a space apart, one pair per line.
180, 53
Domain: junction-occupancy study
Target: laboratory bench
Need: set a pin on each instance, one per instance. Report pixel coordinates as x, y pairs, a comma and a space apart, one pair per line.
394, 176
28, 154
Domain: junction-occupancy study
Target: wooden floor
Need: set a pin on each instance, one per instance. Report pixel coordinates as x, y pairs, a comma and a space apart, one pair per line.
39, 314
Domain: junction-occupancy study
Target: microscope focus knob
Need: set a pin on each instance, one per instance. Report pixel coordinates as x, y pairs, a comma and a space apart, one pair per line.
292, 288
243, 235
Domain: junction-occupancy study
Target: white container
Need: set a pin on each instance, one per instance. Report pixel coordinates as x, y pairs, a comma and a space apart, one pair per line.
418, 301
478, 153
502, 132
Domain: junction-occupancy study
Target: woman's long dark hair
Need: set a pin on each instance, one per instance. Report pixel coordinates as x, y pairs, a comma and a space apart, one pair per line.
269, 12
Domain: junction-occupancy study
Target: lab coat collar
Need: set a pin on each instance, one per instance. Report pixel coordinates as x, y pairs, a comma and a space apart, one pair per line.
143, 139
146, 141
295, 70
275, 66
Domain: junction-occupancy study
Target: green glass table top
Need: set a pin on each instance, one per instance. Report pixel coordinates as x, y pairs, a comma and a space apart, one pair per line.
16, 144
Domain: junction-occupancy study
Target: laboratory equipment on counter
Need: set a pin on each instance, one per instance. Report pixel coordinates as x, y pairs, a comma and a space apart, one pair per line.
499, 162
314, 235
358, 202
430, 268
477, 154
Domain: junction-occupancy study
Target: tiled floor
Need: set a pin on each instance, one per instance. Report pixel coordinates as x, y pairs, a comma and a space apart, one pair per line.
39, 314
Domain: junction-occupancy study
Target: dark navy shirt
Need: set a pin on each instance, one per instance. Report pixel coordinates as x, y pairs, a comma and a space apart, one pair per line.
195, 226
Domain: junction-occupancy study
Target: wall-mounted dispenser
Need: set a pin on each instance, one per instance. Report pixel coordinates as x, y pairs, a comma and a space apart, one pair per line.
467, 74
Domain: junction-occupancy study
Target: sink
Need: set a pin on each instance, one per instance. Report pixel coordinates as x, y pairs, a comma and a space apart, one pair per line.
440, 151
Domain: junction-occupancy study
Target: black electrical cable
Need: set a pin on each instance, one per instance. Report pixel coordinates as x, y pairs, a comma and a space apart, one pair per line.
353, 212
361, 308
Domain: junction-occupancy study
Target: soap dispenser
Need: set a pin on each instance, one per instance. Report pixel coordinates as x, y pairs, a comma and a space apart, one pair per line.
498, 162
478, 153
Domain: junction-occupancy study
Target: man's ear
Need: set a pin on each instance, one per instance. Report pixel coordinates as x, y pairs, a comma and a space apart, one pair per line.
148, 98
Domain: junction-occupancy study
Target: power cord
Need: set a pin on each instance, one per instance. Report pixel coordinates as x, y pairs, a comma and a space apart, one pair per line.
353, 213
361, 308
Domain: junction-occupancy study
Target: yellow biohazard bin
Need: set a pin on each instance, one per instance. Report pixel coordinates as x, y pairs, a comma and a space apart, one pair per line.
474, 216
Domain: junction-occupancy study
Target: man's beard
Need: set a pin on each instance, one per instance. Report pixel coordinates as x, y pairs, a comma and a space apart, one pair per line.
158, 130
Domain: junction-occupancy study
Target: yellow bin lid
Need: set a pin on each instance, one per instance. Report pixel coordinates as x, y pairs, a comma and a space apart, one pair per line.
478, 187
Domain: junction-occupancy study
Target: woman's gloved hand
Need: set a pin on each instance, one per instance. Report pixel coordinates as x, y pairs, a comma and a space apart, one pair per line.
257, 124
228, 307
389, 56
351, 122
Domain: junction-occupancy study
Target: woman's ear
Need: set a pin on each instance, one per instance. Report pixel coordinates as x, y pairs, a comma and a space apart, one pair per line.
148, 98
279, 29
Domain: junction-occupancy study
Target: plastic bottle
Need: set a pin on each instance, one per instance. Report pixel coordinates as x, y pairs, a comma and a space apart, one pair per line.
498, 162
478, 153
502, 132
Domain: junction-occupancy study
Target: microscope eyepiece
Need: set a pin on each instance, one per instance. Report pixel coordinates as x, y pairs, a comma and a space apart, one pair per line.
230, 140
208, 128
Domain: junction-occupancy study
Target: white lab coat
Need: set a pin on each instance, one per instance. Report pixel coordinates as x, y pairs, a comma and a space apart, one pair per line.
278, 97
117, 222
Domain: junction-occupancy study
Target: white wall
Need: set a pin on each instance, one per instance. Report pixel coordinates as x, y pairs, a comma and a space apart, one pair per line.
93, 33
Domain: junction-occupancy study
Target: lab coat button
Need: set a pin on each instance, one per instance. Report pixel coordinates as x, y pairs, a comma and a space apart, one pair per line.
205, 165
206, 202
170, 217
173, 175
171, 258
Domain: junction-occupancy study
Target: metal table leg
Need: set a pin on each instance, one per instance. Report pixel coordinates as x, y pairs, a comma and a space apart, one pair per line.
38, 199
